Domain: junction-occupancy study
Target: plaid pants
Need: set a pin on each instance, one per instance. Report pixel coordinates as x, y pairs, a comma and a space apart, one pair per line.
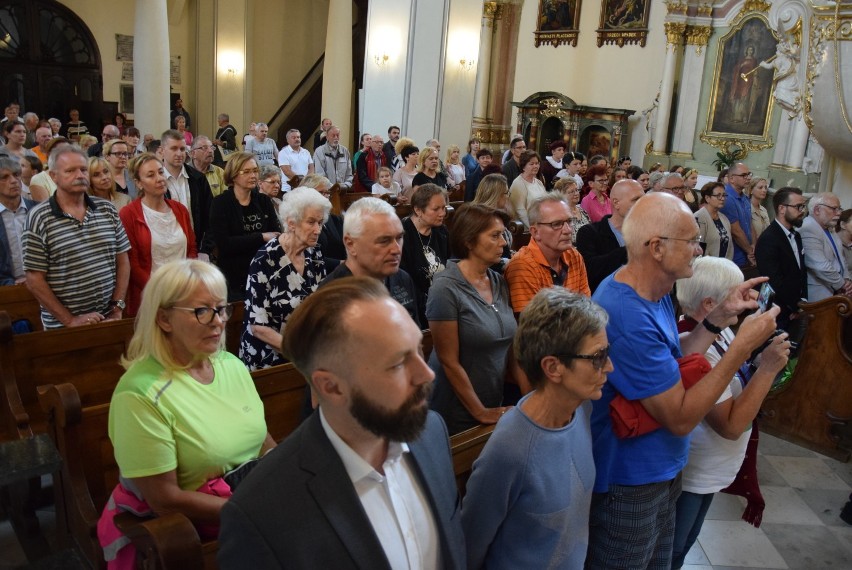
632, 527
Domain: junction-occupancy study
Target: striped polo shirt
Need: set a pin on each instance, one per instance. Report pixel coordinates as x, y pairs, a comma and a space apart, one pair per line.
77, 257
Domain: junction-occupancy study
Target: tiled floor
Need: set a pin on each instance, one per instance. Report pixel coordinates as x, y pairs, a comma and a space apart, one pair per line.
801, 529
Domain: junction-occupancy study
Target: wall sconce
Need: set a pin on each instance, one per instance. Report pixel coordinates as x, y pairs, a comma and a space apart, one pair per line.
231, 63
381, 60
466, 64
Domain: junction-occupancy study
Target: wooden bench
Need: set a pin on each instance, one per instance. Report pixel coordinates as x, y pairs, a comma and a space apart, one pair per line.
20, 304
814, 408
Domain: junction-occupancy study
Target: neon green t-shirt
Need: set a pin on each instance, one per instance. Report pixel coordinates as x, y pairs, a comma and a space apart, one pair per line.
160, 422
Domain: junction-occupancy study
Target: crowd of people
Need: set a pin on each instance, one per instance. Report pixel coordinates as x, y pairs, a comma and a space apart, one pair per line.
616, 414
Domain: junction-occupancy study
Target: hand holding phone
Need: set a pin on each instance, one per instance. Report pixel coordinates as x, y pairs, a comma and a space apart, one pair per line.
764, 298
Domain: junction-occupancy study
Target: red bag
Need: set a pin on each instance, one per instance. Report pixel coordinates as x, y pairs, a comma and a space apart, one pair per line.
631, 419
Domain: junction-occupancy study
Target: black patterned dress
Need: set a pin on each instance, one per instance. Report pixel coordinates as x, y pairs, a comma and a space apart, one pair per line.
273, 291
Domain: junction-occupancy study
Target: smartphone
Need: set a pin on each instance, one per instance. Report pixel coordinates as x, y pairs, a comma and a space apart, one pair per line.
764, 298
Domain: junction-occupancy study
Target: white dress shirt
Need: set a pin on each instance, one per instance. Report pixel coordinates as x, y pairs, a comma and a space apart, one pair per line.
179, 189
791, 239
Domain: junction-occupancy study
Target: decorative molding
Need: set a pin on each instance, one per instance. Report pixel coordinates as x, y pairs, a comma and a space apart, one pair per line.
674, 33
676, 7
567, 37
698, 36
553, 108
729, 145
490, 9
751, 6
491, 134
705, 10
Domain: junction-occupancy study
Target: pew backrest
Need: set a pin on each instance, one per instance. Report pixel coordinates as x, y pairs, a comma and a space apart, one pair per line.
20, 304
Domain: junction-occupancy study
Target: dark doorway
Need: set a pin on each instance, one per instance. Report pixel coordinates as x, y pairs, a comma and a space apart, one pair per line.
49, 62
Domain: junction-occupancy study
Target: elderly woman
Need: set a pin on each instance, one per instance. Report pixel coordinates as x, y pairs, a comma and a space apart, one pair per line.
117, 152
757, 189
101, 183
186, 411
429, 166
404, 175
241, 221
596, 203
579, 218
426, 245
283, 272
270, 183
159, 230
331, 238
534, 478
713, 225
717, 445
526, 187
472, 323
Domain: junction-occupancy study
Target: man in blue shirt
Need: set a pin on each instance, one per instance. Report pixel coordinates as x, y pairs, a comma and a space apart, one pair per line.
637, 478
738, 210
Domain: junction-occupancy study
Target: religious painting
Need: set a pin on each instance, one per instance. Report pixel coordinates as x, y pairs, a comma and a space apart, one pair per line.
741, 100
624, 22
558, 22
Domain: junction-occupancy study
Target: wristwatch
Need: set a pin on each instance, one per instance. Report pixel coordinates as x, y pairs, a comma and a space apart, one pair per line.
116, 303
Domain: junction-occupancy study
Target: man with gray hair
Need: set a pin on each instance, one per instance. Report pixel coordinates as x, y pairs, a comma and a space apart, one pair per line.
293, 159
333, 160
263, 146
672, 183
827, 272
31, 122
225, 139
202, 160
75, 249
13, 211
109, 133
372, 235
638, 477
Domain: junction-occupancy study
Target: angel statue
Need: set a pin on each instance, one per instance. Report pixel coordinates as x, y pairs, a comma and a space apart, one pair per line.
785, 62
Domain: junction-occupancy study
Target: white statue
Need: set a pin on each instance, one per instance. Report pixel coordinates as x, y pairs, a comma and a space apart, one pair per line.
813, 156
785, 62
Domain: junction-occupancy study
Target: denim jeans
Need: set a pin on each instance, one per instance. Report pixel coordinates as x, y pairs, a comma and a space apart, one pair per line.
689, 516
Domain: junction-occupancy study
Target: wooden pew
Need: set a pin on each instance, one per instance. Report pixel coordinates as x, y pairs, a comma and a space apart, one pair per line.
19, 303
814, 408
520, 236
466, 447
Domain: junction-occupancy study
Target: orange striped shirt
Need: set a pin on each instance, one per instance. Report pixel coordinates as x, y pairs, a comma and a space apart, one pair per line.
529, 272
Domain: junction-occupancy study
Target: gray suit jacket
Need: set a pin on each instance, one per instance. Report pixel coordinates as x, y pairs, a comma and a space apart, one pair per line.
298, 508
825, 273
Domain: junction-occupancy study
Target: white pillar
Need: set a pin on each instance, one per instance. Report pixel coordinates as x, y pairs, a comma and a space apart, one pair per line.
665, 109
151, 86
483, 71
689, 94
798, 143
337, 69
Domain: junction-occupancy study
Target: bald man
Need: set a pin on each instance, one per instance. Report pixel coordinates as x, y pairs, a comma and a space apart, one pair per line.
638, 482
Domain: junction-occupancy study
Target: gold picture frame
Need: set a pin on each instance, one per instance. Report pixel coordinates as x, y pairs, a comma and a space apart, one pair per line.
624, 22
558, 22
741, 102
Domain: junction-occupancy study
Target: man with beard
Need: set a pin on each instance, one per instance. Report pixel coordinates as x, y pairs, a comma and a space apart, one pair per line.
367, 481
637, 480
780, 255
75, 249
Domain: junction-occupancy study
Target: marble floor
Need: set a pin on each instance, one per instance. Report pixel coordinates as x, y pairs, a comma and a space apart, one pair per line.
801, 529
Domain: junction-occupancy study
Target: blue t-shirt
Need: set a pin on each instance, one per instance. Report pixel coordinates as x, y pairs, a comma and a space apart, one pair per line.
738, 209
644, 347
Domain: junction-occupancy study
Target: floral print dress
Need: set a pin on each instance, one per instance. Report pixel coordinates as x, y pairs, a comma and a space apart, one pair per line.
273, 291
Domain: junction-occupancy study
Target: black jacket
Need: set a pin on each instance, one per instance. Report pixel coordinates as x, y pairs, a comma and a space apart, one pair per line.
600, 250
775, 259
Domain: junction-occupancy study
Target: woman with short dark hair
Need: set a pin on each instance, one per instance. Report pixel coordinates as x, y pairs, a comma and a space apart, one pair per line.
527, 186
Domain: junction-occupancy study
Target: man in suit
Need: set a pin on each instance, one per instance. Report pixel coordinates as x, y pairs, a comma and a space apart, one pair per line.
780, 255
367, 480
187, 186
601, 243
827, 273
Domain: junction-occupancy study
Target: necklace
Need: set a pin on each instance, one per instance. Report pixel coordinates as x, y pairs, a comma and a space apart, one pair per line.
433, 262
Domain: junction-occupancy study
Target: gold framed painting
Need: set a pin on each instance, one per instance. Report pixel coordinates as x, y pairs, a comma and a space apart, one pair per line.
558, 22
624, 22
741, 98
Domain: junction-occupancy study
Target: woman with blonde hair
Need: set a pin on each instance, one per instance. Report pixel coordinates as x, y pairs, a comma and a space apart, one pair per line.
757, 189
185, 412
429, 167
400, 144
101, 184
159, 230
454, 166
117, 153
690, 195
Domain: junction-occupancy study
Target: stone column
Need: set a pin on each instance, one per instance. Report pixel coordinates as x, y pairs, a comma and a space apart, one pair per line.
151, 85
684, 135
483, 71
674, 41
337, 68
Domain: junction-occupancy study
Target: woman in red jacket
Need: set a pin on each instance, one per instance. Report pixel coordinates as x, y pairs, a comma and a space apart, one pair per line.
159, 230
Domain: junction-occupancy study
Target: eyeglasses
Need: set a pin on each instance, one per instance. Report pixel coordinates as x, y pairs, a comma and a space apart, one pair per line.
720, 196
599, 358
204, 315
601, 180
693, 242
273, 182
675, 189
555, 225
249, 171
799, 207
120, 154
836, 209
744, 175
203, 147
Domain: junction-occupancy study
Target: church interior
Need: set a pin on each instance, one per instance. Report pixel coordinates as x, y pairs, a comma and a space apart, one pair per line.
702, 84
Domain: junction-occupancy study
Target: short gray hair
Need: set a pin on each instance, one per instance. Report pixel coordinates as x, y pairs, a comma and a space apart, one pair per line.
10, 164
267, 170
431, 142
295, 202
819, 200
224, 117
291, 131
556, 321
712, 277
665, 177
534, 211
353, 219
196, 142
314, 181
654, 179
61, 149
261, 125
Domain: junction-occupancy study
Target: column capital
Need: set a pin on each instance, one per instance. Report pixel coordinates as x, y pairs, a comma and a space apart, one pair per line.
674, 33
698, 36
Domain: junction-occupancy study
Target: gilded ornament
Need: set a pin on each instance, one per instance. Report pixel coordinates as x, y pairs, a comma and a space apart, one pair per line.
751, 6
698, 36
674, 33
676, 7
729, 145
705, 10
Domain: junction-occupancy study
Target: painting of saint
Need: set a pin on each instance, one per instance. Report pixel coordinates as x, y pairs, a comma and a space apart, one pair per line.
558, 22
